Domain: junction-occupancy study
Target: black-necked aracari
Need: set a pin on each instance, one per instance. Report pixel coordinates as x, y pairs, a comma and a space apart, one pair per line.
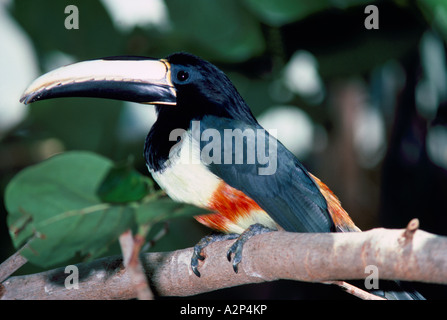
196, 105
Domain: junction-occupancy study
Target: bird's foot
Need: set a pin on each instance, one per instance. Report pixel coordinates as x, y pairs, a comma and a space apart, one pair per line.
238, 245
235, 249
197, 254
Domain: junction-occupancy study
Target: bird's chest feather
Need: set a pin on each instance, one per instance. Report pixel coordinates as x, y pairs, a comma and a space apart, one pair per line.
185, 178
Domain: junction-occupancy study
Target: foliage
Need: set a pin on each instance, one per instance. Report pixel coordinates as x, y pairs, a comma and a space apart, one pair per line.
80, 202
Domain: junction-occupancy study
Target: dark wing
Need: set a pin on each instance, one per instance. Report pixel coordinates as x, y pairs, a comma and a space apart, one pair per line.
275, 180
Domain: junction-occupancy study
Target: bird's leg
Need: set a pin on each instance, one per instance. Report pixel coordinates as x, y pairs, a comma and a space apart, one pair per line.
196, 256
238, 245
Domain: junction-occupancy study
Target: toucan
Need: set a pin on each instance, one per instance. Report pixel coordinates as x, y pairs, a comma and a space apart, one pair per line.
206, 148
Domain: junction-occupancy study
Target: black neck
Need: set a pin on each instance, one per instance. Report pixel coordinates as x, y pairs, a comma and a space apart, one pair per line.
169, 118
158, 145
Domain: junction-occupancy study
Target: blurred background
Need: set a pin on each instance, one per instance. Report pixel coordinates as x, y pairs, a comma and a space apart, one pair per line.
364, 109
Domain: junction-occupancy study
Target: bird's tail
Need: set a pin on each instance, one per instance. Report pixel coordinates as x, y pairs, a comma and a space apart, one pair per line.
342, 220
397, 290
390, 290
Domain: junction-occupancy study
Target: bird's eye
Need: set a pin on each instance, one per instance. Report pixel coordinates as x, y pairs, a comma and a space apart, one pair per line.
182, 75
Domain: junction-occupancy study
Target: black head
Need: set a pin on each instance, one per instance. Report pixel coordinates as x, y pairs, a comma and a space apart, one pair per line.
203, 89
182, 87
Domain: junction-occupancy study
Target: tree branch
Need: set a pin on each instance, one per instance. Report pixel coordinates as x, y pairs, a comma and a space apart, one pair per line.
399, 254
130, 248
11, 265
349, 288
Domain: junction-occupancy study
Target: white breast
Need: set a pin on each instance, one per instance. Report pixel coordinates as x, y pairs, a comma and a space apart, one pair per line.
185, 178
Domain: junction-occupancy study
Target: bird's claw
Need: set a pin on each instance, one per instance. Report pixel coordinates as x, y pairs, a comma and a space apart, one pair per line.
235, 249
197, 254
238, 245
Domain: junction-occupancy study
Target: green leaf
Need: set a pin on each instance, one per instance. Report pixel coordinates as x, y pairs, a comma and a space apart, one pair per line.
163, 209
124, 184
86, 124
54, 210
435, 12
52, 34
53, 207
238, 38
280, 12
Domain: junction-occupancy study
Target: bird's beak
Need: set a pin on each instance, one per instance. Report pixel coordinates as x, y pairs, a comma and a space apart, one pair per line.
135, 79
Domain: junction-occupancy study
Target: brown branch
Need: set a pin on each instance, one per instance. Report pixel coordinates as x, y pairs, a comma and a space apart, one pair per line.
11, 265
315, 257
349, 288
407, 235
130, 248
